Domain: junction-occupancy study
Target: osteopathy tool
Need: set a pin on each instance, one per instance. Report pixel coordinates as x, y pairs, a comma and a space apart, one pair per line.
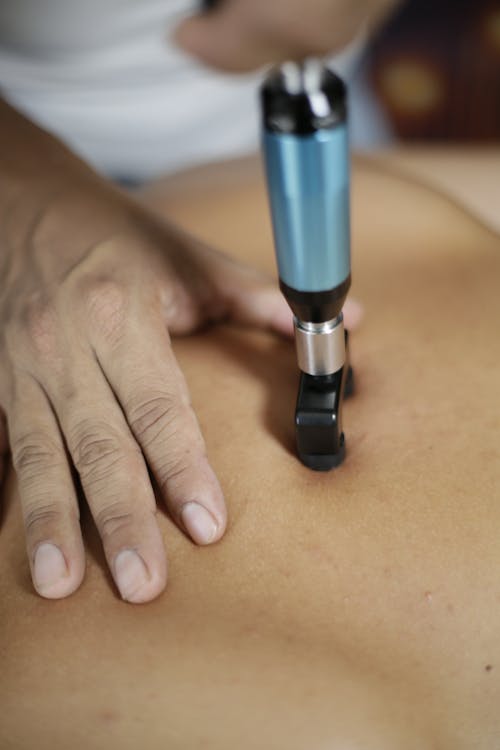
306, 157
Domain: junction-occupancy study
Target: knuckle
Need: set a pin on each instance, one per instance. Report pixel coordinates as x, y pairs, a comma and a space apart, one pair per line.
113, 518
95, 451
33, 453
175, 469
181, 312
38, 322
156, 416
179, 467
41, 515
106, 303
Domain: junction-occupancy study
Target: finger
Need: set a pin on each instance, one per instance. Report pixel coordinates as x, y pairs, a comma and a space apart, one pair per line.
254, 299
353, 312
265, 307
154, 396
115, 481
48, 497
4, 447
262, 306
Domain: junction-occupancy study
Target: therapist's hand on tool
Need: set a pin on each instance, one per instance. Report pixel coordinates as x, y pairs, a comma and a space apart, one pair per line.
241, 35
92, 284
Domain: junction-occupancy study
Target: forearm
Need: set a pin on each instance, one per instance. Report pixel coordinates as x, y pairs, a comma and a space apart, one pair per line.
31, 159
49, 197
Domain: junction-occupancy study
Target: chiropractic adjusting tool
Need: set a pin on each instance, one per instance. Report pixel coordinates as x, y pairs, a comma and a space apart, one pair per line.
306, 157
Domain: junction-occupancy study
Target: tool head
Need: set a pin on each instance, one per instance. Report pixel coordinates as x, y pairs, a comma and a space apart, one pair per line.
306, 156
318, 418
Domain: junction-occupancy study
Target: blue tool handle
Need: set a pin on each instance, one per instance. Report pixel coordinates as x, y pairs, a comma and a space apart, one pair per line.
306, 157
308, 186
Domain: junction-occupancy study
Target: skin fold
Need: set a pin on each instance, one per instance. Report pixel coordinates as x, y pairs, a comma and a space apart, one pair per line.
354, 609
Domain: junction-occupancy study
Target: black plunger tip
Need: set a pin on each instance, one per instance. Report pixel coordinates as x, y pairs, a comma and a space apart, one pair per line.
325, 461
320, 440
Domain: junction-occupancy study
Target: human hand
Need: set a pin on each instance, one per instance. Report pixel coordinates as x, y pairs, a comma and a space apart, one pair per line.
241, 35
89, 382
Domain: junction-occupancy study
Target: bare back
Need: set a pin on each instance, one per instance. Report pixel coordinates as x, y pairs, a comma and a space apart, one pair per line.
355, 609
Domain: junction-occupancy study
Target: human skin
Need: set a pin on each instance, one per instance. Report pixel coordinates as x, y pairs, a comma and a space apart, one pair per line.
353, 609
92, 286
68, 322
242, 35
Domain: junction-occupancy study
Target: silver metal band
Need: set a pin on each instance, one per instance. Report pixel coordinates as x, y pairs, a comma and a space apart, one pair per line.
302, 77
320, 346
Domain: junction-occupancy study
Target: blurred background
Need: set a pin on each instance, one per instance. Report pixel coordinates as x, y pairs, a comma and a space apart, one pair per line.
435, 70
125, 97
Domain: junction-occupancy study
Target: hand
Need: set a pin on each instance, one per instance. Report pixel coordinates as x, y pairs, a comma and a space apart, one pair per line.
89, 381
241, 35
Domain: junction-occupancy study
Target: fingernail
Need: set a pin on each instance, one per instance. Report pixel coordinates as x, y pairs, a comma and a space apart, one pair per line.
199, 523
131, 575
49, 567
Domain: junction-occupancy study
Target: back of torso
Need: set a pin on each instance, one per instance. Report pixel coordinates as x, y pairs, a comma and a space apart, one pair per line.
357, 609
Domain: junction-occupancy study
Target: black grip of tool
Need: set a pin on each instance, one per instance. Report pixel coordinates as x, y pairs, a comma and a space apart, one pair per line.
208, 4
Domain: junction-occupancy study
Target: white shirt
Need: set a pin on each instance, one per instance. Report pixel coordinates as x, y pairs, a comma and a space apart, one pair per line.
104, 76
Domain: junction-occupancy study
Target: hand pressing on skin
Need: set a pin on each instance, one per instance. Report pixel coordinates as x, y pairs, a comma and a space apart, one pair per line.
88, 379
93, 286
241, 35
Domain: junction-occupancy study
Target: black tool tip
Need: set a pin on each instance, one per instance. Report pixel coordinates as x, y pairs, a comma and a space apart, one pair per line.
320, 440
325, 461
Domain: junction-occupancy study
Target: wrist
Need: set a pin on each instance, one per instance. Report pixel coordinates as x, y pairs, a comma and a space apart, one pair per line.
37, 172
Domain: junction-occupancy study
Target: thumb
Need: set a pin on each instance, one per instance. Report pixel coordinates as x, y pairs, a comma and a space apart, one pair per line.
265, 307
253, 299
222, 39
353, 313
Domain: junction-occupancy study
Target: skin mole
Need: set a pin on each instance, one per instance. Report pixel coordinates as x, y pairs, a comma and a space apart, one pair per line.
109, 716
